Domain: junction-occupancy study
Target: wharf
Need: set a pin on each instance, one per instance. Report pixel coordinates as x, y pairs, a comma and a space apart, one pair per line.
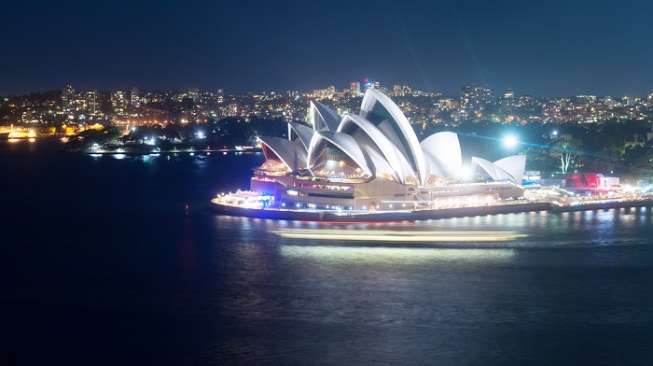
426, 214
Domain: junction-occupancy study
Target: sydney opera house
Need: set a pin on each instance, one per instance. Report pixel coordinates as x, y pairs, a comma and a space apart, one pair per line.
373, 161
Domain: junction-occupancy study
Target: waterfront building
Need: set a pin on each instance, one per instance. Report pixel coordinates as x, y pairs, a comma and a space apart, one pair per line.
373, 161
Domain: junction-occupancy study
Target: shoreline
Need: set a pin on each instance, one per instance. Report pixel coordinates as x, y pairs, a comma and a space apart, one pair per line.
144, 153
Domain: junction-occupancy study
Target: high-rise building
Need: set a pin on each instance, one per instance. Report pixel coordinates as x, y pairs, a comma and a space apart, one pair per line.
397, 91
68, 97
134, 98
355, 88
508, 98
194, 94
628, 101
92, 104
474, 98
119, 102
401, 90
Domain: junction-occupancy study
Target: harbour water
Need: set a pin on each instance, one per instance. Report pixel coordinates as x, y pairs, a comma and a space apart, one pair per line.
118, 260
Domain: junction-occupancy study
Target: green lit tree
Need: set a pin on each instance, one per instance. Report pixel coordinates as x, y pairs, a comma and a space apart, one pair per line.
566, 149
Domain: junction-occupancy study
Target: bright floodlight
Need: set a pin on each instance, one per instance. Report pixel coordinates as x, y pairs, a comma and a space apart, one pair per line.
200, 135
510, 141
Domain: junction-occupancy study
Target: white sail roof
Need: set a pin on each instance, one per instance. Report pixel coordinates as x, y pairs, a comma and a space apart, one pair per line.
510, 168
514, 165
322, 118
304, 133
377, 162
388, 130
401, 167
434, 166
381, 142
487, 166
291, 153
407, 136
344, 143
443, 153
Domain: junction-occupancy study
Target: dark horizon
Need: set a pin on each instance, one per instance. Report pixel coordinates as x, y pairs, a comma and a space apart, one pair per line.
598, 47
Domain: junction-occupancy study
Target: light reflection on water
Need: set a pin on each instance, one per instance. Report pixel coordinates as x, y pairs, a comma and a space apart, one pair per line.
399, 236
379, 255
568, 271
523, 230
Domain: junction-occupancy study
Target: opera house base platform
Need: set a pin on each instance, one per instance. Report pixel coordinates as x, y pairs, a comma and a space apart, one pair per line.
220, 205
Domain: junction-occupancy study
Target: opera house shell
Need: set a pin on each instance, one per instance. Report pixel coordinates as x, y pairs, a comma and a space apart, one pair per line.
373, 160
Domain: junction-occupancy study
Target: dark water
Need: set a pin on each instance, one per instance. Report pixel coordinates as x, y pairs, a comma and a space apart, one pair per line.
108, 261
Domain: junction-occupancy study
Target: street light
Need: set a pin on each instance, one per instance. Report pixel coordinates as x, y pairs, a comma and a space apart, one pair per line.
510, 141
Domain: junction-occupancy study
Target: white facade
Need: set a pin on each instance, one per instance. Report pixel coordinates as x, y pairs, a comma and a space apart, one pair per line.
291, 153
507, 169
342, 141
408, 139
443, 154
322, 117
382, 144
392, 155
304, 133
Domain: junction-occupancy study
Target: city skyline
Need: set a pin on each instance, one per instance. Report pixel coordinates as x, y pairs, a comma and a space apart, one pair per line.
329, 86
595, 48
136, 106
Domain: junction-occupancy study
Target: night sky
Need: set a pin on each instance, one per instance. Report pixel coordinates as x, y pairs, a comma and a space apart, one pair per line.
544, 48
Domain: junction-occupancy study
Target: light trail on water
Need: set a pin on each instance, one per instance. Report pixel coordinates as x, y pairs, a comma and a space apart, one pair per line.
400, 236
